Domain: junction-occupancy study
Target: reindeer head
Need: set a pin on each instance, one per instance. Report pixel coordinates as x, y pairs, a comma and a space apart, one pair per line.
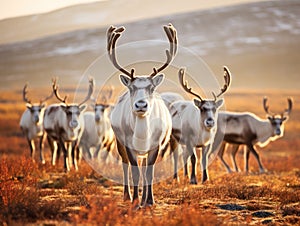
37, 109
208, 108
73, 110
277, 120
101, 109
141, 88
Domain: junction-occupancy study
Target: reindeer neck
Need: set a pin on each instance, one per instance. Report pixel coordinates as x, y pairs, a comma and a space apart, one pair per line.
264, 133
141, 134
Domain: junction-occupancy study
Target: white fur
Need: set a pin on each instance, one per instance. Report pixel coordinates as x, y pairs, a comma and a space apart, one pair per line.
55, 121
32, 129
96, 134
139, 132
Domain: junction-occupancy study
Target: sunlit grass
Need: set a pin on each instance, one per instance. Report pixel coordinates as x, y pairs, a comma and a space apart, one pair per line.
32, 192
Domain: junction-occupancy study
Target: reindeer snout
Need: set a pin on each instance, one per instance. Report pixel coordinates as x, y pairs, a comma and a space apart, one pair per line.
73, 123
209, 122
36, 118
141, 105
277, 131
97, 118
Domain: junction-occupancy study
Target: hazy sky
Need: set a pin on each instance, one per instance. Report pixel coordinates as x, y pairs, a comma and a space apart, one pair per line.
14, 8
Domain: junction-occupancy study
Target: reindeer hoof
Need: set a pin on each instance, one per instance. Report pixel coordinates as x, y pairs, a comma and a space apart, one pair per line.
126, 197
193, 181
136, 205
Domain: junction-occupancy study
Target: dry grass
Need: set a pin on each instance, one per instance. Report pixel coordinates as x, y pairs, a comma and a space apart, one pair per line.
31, 193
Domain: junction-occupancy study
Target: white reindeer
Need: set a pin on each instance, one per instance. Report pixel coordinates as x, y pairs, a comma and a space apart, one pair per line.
169, 98
97, 132
249, 130
194, 125
140, 119
64, 125
31, 123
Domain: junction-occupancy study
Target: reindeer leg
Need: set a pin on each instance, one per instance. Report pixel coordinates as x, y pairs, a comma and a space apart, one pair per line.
59, 148
135, 171
52, 148
185, 157
42, 139
251, 148
247, 155
75, 154
32, 149
66, 155
234, 150
152, 156
204, 161
125, 166
86, 152
104, 153
220, 156
98, 149
144, 195
174, 147
193, 179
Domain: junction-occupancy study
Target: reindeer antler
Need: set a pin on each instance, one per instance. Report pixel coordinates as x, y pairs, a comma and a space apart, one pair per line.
25, 91
90, 91
266, 107
227, 78
290, 106
55, 91
107, 95
113, 34
184, 84
47, 98
172, 36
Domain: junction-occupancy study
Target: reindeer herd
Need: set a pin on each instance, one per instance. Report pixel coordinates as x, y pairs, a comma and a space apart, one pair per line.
143, 124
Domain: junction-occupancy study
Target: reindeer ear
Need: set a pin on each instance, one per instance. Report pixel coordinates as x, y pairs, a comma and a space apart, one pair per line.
93, 105
284, 118
197, 102
29, 106
157, 79
42, 105
82, 108
219, 103
270, 118
64, 107
125, 80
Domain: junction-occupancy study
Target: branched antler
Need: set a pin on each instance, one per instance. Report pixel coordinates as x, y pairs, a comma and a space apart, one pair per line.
172, 36
90, 91
25, 91
113, 34
184, 84
46, 98
266, 107
106, 96
55, 91
290, 106
227, 78
286, 111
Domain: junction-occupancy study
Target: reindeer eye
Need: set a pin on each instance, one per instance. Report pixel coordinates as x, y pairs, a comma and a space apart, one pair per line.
204, 108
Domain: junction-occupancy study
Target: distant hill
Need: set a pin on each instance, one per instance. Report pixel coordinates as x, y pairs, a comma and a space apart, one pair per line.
97, 15
259, 42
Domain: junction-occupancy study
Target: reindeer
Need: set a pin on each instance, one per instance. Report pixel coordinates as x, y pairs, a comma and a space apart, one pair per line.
249, 130
31, 123
140, 119
169, 98
194, 125
64, 125
97, 129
